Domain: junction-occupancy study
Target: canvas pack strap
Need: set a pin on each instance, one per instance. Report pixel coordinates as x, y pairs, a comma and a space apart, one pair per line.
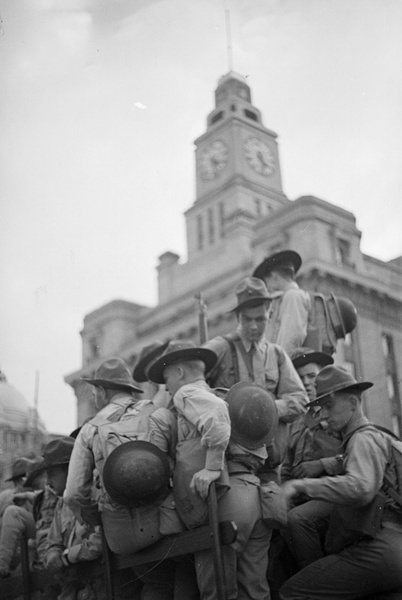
235, 360
113, 417
247, 359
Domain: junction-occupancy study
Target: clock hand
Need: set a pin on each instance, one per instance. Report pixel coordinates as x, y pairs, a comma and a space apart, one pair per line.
261, 158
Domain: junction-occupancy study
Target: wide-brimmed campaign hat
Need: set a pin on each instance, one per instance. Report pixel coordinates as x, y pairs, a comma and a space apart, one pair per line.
253, 414
75, 432
114, 374
179, 350
34, 468
58, 452
18, 469
250, 292
306, 356
286, 259
333, 379
147, 356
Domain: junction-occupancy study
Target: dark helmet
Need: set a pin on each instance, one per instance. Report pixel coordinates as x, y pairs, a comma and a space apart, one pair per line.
136, 473
253, 414
343, 315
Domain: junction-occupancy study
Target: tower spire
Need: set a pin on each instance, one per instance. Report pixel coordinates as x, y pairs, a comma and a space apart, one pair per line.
229, 39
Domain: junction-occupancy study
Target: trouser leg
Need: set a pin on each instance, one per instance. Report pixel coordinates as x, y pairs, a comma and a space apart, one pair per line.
205, 569
304, 531
185, 583
368, 567
157, 579
245, 567
252, 565
16, 521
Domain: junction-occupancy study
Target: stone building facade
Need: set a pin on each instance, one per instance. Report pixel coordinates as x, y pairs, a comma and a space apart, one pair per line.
240, 215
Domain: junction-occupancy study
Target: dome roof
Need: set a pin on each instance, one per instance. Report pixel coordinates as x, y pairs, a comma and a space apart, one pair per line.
15, 410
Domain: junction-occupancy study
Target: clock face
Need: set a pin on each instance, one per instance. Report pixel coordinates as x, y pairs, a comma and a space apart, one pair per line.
259, 156
213, 160
242, 92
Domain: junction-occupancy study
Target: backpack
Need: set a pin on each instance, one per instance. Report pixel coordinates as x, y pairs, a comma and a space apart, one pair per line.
396, 462
127, 426
392, 483
348, 524
330, 318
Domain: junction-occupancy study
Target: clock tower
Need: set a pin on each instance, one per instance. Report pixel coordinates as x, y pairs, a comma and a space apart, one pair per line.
238, 178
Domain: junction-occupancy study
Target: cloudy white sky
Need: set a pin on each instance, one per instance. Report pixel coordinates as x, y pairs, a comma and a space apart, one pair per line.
100, 103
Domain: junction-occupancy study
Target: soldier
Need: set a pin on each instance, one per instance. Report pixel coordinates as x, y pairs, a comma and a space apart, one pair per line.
203, 436
43, 512
310, 441
182, 368
68, 540
246, 355
290, 306
17, 478
114, 389
126, 531
203, 430
18, 517
371, 563
254, 418
313, 450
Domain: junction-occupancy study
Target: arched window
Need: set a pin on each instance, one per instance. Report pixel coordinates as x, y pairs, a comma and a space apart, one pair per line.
200, 232
211, 226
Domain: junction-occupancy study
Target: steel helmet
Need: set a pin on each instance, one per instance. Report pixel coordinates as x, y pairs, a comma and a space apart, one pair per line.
136, 474
253, 414
343, 315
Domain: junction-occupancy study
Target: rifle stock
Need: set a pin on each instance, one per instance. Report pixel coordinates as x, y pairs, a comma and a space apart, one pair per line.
202, 319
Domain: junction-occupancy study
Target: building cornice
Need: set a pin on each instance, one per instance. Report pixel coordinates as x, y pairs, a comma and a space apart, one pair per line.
348, 276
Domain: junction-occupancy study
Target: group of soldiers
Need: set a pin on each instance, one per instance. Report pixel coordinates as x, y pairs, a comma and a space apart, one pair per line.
252, 412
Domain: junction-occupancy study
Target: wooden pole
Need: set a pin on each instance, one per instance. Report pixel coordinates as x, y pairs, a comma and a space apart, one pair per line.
212, 498
216, 543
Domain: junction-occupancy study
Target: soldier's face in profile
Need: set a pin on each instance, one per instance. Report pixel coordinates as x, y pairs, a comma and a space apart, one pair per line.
57, 478
100, 397
337, 410
172, 377
252, 322
272, 282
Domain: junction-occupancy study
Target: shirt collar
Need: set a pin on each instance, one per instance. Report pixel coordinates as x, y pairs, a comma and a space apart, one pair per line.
122, 398
238, 449
352, 427
247, 345
200, 383
292, 285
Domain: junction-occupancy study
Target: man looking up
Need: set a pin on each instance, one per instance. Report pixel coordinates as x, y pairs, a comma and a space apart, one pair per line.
290, 306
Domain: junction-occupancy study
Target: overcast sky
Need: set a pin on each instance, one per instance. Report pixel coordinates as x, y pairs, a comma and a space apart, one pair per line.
100, 103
